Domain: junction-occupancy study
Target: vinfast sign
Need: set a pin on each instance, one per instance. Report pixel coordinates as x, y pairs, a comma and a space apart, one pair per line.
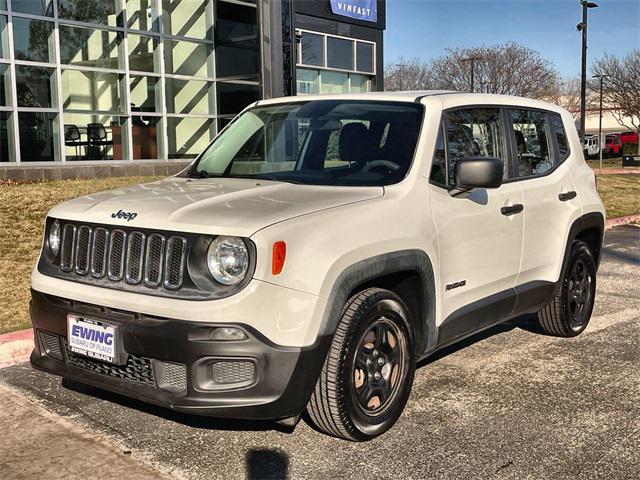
366, 10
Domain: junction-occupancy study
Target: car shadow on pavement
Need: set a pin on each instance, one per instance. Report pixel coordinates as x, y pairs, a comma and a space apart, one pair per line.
528, 323
266, 464
190, 420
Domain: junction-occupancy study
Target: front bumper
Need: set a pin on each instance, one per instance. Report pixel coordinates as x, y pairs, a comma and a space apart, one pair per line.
172, 363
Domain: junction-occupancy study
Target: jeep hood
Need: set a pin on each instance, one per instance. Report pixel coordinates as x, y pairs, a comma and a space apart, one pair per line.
223, 206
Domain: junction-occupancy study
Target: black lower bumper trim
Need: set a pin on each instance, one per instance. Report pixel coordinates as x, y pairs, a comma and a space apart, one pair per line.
284, 376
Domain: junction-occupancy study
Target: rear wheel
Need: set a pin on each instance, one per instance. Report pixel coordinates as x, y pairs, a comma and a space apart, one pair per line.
367, 376
570, 311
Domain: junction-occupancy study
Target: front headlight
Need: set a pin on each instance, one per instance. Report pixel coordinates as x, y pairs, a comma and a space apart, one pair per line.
54, 238
228, 260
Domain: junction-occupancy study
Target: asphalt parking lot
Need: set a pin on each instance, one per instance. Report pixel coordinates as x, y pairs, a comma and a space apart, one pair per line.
510, 403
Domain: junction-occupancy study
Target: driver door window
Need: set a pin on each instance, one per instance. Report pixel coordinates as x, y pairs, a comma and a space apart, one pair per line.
475, 132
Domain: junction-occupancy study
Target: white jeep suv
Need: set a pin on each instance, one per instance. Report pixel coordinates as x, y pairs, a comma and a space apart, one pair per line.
316, 250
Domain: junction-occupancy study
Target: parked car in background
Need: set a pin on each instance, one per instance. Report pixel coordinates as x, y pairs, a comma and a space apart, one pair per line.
591, 145
612, 146
629, 137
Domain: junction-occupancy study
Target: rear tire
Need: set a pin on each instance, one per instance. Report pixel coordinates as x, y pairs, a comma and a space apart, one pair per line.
367, 376
569, 312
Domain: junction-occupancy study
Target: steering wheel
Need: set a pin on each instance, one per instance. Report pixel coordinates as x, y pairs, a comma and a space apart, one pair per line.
381, 163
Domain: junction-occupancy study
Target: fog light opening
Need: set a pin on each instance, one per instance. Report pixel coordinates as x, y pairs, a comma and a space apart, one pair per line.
227, 334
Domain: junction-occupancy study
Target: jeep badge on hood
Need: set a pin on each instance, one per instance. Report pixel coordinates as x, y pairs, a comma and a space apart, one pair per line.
128, 216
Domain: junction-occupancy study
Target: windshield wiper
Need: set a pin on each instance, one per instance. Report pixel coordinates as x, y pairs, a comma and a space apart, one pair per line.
277, 179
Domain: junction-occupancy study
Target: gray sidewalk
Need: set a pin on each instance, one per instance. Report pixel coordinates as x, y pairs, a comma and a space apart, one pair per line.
35, 443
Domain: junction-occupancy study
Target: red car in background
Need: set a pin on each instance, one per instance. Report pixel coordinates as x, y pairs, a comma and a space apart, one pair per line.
612, 146
629, 137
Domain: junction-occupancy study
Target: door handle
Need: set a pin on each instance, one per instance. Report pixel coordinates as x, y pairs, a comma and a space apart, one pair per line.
512, 209
563, 197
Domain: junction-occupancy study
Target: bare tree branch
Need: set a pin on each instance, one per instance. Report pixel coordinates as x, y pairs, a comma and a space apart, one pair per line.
621, 87
509, 69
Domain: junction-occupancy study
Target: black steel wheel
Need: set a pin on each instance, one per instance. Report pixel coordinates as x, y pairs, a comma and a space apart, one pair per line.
378, 366
570, 311
367, 376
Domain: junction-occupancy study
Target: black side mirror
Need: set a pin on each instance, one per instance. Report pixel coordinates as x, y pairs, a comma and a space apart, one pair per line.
477, 172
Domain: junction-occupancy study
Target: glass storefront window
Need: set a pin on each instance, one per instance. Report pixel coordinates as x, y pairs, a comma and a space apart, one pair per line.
93, 137
39, 136
237, 47
144, 135
145, 94
188, 137
334, 82
89, 47
95, 91
6, 136
339, 53
312, 49
143, 53
186, 18
35, 86
233, 97
364, 57
34, 7
189, 96
308, 81
4, 42
187, 58
33, 40
5, 85
359, 83
142, 15
104, 12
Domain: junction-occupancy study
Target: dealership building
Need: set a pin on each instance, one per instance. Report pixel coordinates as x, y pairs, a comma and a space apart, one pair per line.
118, 87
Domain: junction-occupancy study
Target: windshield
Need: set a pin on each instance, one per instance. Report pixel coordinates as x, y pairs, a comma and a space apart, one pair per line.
322, 142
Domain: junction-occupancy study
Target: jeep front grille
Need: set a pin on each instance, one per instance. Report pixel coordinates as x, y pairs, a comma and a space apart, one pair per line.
120, 256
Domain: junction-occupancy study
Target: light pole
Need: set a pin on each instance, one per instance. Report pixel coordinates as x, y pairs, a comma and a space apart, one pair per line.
472, 61
582, 27
601, 77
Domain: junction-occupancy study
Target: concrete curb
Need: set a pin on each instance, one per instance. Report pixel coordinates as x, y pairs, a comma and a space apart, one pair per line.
617, 171
15, 347
620, 221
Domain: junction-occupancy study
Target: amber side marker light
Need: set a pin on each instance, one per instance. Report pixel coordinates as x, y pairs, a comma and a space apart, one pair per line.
279, 255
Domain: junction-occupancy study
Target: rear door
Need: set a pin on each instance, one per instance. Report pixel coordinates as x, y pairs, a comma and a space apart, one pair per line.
550, 197
479, 236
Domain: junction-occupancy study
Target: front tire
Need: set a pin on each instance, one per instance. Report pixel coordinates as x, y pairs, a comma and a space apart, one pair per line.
368, 373
569, 312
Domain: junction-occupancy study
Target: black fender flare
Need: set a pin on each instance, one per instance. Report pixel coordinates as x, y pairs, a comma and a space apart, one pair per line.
371, 268
585, 222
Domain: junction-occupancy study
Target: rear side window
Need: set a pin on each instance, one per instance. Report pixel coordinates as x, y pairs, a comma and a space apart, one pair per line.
557, 127
474, 132
533, 148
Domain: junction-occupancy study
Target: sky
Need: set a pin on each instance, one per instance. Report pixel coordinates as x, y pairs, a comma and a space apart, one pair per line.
426, 28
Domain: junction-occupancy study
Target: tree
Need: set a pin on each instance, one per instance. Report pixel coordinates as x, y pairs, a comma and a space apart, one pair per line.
621, 89
411, 74
509, 69
566, 93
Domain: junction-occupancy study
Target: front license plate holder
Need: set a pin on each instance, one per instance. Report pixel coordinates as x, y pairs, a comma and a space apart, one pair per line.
94, 338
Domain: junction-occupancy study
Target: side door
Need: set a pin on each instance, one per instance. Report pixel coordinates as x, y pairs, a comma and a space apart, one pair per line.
479, 235
551, 200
